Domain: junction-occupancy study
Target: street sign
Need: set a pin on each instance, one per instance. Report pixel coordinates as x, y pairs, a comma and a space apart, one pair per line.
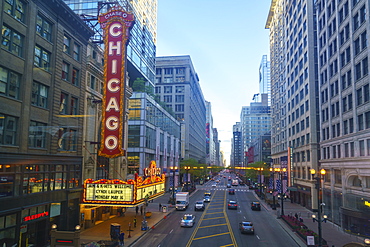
23, 228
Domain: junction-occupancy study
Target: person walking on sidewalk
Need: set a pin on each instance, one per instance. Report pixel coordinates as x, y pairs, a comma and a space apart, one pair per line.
160, 207
137, 209
135, 222
141, 210
121, 238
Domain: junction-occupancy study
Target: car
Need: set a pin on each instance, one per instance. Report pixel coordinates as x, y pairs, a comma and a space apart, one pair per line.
199, 205
214, 185
232, 205
256, 206
246, 227
231, 192
228, 185
207, 199
207, 193
188, 220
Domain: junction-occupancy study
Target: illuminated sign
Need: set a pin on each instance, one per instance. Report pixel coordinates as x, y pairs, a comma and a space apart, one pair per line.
116, 24
36, 216
367, 203
125, 193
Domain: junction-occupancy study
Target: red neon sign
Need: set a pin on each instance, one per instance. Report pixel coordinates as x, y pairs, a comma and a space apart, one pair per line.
36, 216
116, 24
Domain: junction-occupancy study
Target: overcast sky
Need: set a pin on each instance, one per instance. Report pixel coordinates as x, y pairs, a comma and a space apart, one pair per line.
226, 41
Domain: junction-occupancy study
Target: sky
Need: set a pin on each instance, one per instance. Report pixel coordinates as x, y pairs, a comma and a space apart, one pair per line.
226, 41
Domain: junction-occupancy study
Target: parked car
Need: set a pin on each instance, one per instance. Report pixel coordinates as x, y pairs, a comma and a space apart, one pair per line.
256, 206
207, 199
231, 192
246, 227
232, 205
199, 205
188, 220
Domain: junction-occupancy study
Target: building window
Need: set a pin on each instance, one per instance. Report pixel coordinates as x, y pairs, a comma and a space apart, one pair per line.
15, 8
9, 83
167, 98
42, 58
74, 106
158, 90
92, 82
8, 130
37, 135
360, 119
39, 95
367, 120
67, 139
167, 89
76, 52
180, 71
179, 107
75, 77
43, 27
179, 98
63, 103
362, 147
12, 41
67, 44
168, 71
180, 89
65, 71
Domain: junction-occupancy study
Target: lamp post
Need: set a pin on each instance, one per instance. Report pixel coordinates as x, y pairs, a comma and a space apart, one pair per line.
260, 180
272, 170
187, 168
318, 187
173, 169
281, 173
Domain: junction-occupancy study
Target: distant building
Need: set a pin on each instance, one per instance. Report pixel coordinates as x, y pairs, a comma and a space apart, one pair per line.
178, 86
210, 144
236, 146
255, 122
264, 78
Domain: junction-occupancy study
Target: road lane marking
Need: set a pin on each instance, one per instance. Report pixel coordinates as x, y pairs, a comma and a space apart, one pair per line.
214, 218
213, 225
171, 231
210, 236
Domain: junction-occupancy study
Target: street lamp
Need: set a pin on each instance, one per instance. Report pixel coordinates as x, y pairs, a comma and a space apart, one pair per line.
260, 170
319, 204
281, 171
173, 169
272, 170
187, 168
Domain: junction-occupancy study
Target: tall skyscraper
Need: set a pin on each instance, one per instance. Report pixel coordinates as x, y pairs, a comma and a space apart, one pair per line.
236, 158
141, 48
343, 52
178, 86
264, 78
255, 120
210, 145
294, 90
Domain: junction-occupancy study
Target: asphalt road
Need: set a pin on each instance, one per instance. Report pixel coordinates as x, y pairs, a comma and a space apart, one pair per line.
218, 225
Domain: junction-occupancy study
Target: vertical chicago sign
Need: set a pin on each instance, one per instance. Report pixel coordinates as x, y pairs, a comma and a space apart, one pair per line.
116, 25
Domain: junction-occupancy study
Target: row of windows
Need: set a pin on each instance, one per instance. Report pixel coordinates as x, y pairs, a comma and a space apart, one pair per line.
178, 98
299, 126
37, 135
169, 71
304, 139
169, 89
349, 149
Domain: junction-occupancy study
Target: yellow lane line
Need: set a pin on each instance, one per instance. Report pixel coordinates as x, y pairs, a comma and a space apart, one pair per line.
215, 213
228, 224
215, 218
227, 245
213, 225
210, 236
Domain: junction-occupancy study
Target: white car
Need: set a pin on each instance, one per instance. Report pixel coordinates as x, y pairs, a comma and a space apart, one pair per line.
214, 185
188, 220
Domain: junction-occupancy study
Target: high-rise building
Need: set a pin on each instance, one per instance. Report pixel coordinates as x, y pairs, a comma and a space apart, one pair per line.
141, 47
294, 95
178, 86
255, 121
343, 52
42, 100
210, 145
264, 78
236, 158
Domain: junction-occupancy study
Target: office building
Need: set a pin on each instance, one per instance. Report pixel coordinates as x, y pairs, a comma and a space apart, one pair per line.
236, 158
210, 144
294, 95
343, 31
264, 78
178, 86
42, 103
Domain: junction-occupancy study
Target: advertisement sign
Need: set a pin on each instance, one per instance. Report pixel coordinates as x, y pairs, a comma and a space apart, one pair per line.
115, 24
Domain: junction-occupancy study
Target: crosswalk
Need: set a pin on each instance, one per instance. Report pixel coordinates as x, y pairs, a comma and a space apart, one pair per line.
223, 188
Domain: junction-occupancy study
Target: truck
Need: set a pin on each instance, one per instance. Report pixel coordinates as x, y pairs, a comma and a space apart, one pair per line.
182, 200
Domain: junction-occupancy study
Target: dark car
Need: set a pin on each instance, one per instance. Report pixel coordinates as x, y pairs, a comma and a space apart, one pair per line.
246, 227
256, 206
231, 192
207, 199
232, 205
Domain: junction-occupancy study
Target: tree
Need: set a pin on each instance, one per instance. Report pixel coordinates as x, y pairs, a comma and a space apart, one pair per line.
140, 85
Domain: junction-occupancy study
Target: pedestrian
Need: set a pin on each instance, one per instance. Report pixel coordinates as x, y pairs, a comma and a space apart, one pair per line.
135, 222
137, 209
121, 238
160, 207
296, 216
141, 210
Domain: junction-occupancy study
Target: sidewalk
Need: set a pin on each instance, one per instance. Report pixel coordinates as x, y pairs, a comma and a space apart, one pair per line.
334, 236
101, 231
